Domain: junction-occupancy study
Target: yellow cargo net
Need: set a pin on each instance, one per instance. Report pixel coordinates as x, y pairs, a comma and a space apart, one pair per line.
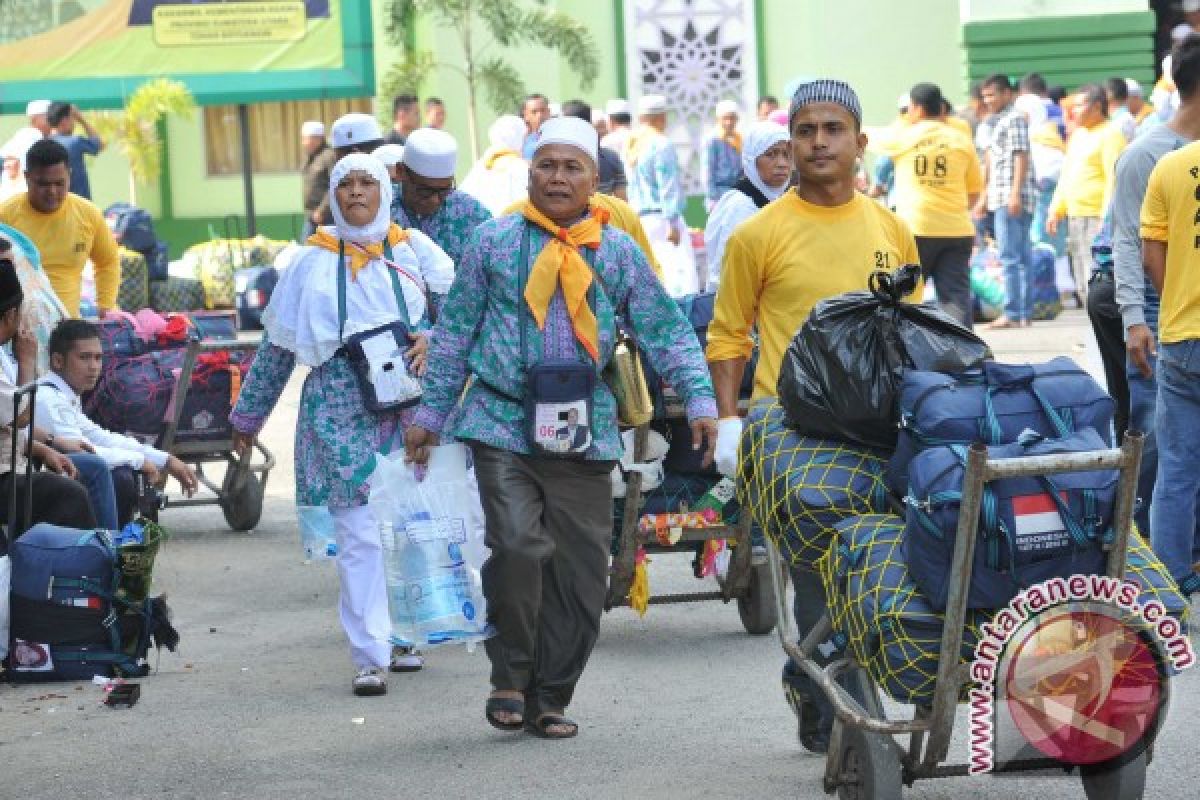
889, 627
798, 488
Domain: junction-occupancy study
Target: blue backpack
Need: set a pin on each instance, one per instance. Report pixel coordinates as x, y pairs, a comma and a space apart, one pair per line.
994, 406
1030, 529
69, 621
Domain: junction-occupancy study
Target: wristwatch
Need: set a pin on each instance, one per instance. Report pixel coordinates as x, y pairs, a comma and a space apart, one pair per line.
50, 440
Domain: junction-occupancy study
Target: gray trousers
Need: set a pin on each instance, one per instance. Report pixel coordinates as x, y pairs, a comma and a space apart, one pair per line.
549, 527
1081, 231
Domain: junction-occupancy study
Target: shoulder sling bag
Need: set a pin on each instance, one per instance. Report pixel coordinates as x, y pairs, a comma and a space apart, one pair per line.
377, 356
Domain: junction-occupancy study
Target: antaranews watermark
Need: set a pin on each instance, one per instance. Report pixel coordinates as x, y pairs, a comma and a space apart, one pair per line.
1077, 668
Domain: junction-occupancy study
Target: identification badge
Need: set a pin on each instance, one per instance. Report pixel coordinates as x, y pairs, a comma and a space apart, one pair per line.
558, 408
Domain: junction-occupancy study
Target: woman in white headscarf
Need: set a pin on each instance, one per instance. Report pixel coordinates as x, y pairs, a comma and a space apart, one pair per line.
501, 177
766, 172
336, 435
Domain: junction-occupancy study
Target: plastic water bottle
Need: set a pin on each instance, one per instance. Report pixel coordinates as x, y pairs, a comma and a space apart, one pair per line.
433, 595
317, 535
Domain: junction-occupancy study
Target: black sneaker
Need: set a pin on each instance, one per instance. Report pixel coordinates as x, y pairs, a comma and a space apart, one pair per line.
808, 721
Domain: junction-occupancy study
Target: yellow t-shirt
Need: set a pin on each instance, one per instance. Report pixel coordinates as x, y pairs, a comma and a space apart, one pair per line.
1089, 170
1171, 214
65, 240
620, 215
784, 260
961, 125
936, 168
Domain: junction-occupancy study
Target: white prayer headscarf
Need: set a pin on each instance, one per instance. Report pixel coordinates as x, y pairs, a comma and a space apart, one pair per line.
761, 137
376, 230
507, 133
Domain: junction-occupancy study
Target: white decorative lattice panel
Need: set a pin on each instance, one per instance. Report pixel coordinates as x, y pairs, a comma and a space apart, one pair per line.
696, 53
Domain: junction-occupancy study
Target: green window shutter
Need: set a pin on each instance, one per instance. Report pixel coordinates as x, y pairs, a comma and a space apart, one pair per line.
1068, 51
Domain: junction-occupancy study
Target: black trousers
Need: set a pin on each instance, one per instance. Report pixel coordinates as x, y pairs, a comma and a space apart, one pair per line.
56, 500
125, 487
1105, 316
549, 527
947, 261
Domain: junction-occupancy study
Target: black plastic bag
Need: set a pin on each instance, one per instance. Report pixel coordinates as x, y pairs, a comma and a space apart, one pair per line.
841, 374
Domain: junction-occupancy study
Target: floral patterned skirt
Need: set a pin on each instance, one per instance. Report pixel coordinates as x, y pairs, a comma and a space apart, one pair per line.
336, 436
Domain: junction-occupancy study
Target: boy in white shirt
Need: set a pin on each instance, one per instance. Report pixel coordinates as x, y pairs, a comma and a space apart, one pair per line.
75, 361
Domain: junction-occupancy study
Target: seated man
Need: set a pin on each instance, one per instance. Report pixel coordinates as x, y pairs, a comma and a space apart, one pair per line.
75, 361
57, 499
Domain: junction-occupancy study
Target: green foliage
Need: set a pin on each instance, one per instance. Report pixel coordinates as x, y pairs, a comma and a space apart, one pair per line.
406, 76
504, 88
134, 131
482, 25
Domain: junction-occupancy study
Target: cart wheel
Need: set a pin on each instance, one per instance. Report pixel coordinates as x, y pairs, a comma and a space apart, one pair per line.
870, 769
757, 606
243, 508
1126, 782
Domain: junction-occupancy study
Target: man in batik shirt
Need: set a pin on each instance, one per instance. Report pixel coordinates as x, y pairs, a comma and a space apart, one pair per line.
543, 287
428, 199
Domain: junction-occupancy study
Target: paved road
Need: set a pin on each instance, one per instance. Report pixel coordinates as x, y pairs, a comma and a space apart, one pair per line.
256, 703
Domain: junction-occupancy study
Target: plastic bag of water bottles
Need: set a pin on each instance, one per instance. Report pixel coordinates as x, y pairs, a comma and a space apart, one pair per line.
317, 535
432, 531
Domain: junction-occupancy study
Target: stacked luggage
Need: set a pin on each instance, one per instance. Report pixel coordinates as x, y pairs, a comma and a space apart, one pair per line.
146, 281
686, 483
828, 493
79, 601
229, 267
139, 382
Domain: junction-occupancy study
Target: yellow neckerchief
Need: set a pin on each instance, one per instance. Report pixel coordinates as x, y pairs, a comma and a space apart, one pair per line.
1147, 110
360, 255
734, 139
561, 263
492, 156
1047, 134
637, 142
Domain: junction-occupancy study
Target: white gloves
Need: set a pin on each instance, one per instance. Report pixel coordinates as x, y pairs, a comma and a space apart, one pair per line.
729, 435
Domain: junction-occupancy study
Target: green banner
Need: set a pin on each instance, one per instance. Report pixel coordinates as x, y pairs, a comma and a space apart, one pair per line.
95, 52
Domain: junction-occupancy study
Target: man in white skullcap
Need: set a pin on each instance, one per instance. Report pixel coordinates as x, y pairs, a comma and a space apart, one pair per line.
600, 122
428, 199
38, 128
534, 304
391, 156
620, 126
356, 133
319, 159
1137, 101
722, 154
501, 176
656, 191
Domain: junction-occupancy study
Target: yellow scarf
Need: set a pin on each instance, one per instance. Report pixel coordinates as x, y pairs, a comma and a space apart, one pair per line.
734, 139
490, 159
560, 263
360, 255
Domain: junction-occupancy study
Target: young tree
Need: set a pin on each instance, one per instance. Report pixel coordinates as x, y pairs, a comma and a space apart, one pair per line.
134, 131
484, 27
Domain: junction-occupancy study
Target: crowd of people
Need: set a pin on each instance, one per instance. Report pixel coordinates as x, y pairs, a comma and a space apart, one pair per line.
572, 224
